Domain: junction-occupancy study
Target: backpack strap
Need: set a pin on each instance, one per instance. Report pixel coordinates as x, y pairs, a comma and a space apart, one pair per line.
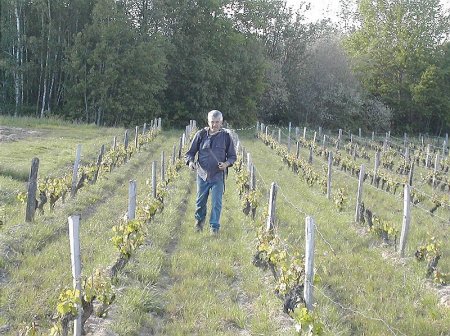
202, 134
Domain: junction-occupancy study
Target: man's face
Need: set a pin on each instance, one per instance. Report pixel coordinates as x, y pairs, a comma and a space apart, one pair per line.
215, 124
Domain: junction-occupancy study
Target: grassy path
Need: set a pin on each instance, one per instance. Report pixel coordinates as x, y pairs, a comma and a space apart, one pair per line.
204, 285
361, 292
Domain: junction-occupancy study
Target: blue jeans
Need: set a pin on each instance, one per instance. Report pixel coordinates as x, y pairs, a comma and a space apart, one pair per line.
203, 189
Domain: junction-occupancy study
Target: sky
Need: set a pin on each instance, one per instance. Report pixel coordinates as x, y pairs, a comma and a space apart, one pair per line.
330, 8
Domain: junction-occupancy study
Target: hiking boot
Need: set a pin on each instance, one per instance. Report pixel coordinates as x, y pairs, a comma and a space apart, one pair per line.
199, 225
214, 231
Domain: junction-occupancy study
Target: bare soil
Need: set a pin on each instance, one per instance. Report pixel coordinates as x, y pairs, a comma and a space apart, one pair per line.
8, 134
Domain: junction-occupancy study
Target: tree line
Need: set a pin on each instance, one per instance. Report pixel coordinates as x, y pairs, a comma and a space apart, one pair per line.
384, 65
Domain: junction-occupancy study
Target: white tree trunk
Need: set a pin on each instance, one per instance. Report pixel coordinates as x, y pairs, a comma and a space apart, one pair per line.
17, 52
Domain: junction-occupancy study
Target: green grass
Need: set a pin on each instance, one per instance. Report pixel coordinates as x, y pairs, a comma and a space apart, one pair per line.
207, 285
180, 282
357, 277
38, 266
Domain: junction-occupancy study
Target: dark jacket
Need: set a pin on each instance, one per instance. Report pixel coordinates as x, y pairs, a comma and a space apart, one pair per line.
211, 150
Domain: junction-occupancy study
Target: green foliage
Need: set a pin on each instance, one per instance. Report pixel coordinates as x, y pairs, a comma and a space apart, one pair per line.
98, 287
307, 323
394, 51
383, 228
340, 198
291, 273
128, 236
68, 301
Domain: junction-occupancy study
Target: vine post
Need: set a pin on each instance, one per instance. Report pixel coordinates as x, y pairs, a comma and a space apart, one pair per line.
74, 237
114, 144
132, 200
99, 162
304, 133
73, 190
309, 263
358, 213
136, 137
31, 192
180, 147
279, 135
407, 159
338, 142
163, 167
411, 173
359, 132
252, 178
373, 136
289, 137
174, 154
257, 128
320, 131
436, 168
183, 139
324, 140
376, 165
297, 152
310, 158
406, 219
144, 129
249, 162
314, 138
154, 179
330, 165
427, 159
125, 144
272, 200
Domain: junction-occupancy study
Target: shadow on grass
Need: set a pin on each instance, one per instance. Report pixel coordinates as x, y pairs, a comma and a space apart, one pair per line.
14, 173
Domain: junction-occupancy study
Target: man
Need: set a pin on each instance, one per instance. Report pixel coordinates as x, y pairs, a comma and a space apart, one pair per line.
216, 153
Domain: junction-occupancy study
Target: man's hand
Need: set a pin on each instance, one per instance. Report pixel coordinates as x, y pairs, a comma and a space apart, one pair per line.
223, 165
192, 165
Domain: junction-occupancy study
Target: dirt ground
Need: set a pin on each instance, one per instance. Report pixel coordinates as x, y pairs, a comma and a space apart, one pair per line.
8, 134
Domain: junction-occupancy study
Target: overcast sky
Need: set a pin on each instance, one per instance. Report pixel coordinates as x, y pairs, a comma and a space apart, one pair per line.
330, 8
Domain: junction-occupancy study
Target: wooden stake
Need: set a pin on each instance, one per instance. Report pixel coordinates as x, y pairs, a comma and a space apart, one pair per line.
31, 192
74, 237
73, 190
359, 195
376, 165
272, 200
406, 220
136, 137
163, 167
132, 200
99, 163
330, 165
309, 263
154, 179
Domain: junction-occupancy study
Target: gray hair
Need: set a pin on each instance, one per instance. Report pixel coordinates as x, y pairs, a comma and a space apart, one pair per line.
215, 114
